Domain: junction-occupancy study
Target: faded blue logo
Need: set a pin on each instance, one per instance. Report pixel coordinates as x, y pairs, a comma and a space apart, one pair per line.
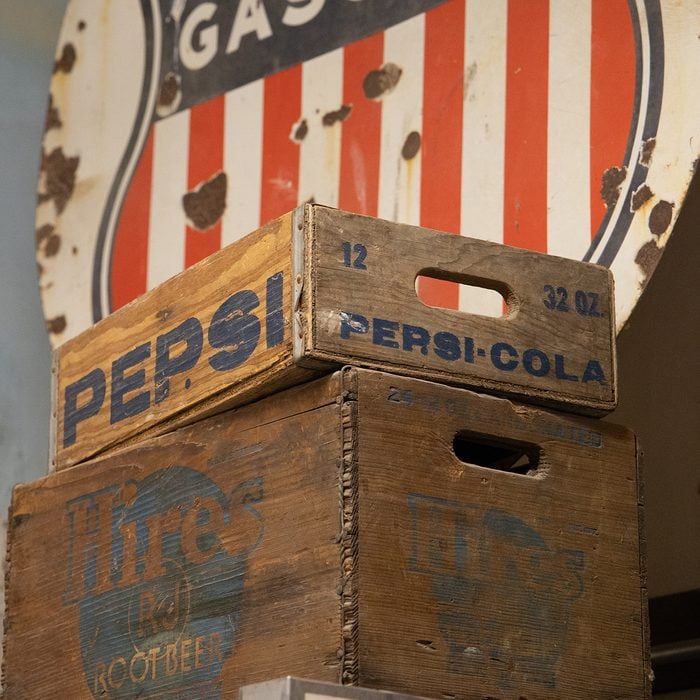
503, 596
159, 582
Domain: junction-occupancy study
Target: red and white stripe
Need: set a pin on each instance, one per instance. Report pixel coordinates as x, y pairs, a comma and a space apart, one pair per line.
521, 107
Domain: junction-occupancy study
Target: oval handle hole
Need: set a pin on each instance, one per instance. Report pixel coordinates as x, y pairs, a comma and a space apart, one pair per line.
442, 290
496, 453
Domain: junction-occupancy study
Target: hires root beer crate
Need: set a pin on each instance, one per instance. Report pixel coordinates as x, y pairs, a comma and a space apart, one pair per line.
365, 528
319, 288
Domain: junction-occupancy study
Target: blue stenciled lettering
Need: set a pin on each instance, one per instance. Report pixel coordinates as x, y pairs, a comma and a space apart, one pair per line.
447, 346
384, 333
536, 362
122, 384
96, 383
469, 350
415, 336
234, 330
450, 347
497, 350
188, 332
274, 315
352, 323
593, 372
232, 325
560, 372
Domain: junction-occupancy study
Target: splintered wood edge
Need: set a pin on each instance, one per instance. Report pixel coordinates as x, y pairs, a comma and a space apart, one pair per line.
644, 597
53, 418
6, 611
348, 488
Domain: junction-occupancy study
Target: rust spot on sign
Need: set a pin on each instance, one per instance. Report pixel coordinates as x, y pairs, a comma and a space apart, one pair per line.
647, 150
205, 205
382, 81
53, 245
169, 95
338, 115
56, 325
53, 119
411, 146
648, 257
43, 233
67, 60
81, 25
610, 188
660, 217
59, 172
641, 196
300, 130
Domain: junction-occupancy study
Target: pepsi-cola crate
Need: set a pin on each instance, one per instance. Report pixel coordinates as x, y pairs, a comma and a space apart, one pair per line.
364, 528
320, 288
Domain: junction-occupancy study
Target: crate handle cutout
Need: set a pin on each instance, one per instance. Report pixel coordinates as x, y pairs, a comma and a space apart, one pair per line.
496, 453
440, 289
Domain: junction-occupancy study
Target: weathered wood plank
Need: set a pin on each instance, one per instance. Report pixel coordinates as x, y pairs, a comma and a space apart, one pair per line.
320, 288
365, 528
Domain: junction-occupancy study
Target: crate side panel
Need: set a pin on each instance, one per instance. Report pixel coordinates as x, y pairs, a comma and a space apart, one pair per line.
480, 582
210, 328
554, 345
194, 562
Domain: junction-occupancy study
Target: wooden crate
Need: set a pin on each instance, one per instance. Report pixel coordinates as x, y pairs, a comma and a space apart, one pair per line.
320, 288
338, 531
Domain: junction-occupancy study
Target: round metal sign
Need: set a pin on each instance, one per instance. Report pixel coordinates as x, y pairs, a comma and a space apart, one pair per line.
177, 126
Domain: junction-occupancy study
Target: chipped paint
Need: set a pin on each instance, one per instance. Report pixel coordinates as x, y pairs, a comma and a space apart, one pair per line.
170, 95
53, 118
205, 205
66, 61
610, 188
647, 151
299, 131
411, 146
381, 82
648, 257
43, 233
56, 325
660, 217
338, 115
641, 196
53, 245
58, 175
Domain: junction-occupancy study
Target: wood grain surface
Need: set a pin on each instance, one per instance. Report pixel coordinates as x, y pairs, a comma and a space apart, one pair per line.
365, 528
553, 345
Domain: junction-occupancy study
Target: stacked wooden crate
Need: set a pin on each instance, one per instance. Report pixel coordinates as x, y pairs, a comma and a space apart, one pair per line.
267, 466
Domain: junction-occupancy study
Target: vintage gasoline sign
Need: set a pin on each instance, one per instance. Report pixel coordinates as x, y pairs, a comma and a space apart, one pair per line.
175, 127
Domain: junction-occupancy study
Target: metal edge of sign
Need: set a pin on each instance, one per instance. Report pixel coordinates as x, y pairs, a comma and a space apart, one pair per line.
101, 285
649, 57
